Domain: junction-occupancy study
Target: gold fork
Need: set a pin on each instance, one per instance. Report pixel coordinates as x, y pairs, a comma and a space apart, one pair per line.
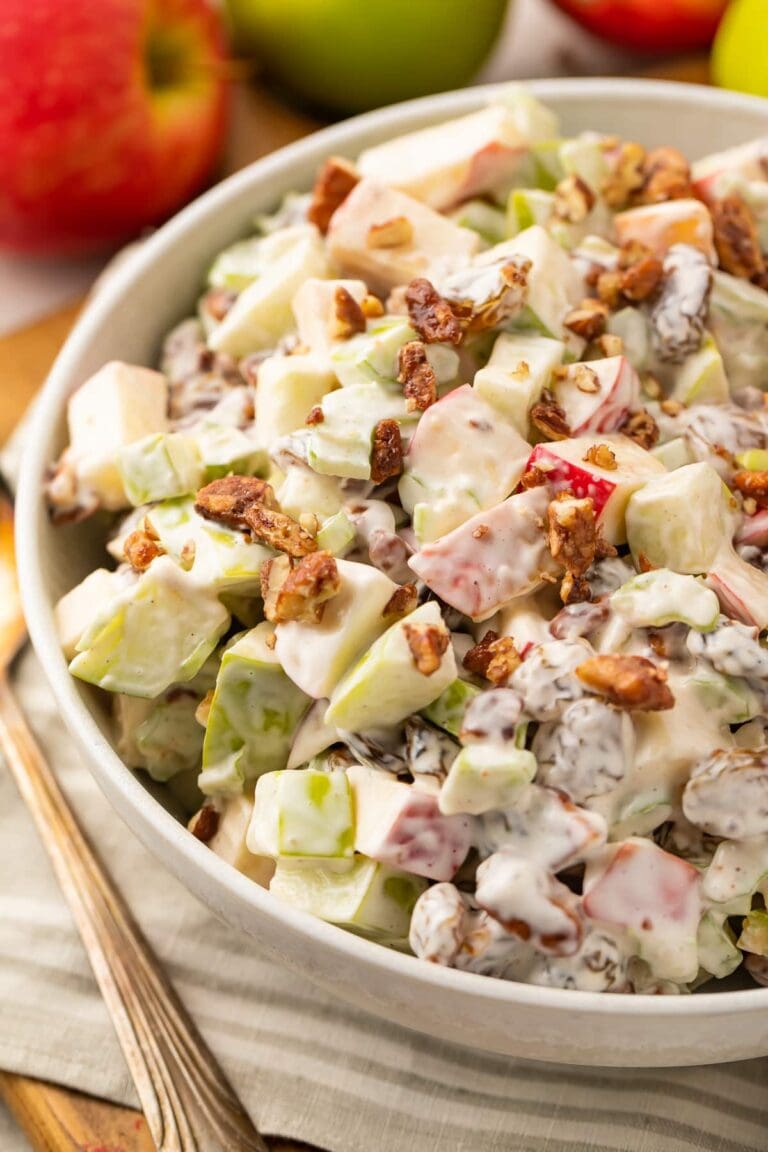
187, 1101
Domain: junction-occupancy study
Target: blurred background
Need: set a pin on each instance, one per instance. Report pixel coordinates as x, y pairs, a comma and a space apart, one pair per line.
112, 115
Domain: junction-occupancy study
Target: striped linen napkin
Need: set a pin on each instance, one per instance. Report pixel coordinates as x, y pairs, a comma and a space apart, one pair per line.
306, 1065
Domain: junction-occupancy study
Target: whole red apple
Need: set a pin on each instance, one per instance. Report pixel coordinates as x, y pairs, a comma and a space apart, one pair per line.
112, 114
649, 25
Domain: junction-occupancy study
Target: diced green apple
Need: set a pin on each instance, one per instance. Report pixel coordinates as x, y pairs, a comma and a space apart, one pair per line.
341, 444
754, 460
716, 945
316, 655
157, 632
490, 559
463, 458
674, 454
584, 156
76, 610
262, 313
226, 449
554, 285
120, 404
436, 247
526, 207
303, 490
314, 307
160, 467
447, 711
288, 388
313, 736
680, 520
238, 265
486, 776
568, 467
488, 221
738, 318
535, 121
520, 366
660, 597
302, 813
228, 841
253, 715
450, 162
754, 932
361, 895
385, 686
402, 826
337, 534
223, 558
632, 328
371, 357
738, 869
701, 378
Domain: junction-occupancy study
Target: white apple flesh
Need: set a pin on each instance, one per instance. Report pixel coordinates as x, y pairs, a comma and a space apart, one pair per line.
602, 409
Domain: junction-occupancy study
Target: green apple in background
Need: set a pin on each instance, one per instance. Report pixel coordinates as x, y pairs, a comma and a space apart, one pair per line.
740, 52
350, 55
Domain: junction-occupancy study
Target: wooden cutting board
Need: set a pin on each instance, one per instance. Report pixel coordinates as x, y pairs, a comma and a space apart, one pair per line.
53, 1118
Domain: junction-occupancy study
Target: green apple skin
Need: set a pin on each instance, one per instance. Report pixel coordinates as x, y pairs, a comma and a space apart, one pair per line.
447, 711
348, 56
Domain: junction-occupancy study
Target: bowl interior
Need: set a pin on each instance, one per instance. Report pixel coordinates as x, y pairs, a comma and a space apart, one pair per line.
158, 286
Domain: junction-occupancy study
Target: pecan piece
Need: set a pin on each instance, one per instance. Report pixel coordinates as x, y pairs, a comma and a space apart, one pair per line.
402, 601
666, 176
753, 485
347, 318
601, 456
334, 182
279, 531
641, 427
217, 302
575, 542
588, 320
387, 451
394, 233
626, 176
431, 315
300, 592
417, 376
547, 415
574, 200
205, 824
494, 658
736, 238
629, 682
142, 546
315, 416
641, 279
609, 287
228, 499
427, 643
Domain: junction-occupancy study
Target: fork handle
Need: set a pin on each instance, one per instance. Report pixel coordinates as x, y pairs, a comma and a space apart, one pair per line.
188, 1103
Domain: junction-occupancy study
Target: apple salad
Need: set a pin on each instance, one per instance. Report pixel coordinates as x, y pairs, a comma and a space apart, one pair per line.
438, 552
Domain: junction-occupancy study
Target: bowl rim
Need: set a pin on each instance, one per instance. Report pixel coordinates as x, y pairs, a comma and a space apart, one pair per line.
111, 774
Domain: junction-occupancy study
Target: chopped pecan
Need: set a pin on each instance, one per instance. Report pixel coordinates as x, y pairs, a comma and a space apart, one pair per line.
736, 238
347, 318
574, 200
300, 592
547, 415
142, 546
279, 531
753, 485
588, 320
394, 233
609, 287
205, 824
601, 456
431, 315
229, 498
315, 416
666, 176
641, 427
575, 542
640, 280
494, 658
533, 477
585, 378
610, 344
417, 376
484, 296
427, 643
629, 682
672, 407
372, 307
334, 182
626, 176
203, 710
387, 451
217, 302
632, 252
651, 386
402, 601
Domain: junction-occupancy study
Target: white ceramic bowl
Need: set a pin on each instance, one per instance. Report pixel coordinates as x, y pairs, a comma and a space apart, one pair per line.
127, 320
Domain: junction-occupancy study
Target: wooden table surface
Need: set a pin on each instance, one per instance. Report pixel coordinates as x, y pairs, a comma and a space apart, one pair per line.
53, 1118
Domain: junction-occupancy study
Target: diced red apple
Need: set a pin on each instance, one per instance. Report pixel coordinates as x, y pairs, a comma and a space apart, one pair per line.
313, 307
659, 226
655, 896
713, 175
464, 457
432, 245
598, 395
401, 825
568, 468
741, 588
754, 529
441, 166
490, 559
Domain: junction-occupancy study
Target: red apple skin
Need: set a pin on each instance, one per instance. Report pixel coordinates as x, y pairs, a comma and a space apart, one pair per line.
648, 25
89, 153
